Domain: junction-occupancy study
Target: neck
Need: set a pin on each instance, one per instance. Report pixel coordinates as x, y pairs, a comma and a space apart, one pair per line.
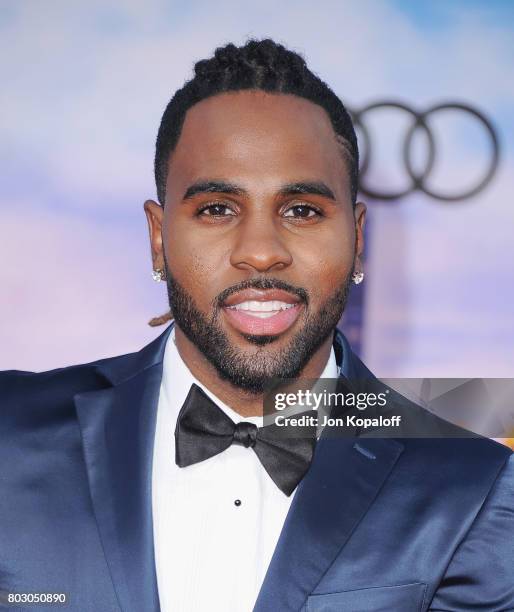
243, 402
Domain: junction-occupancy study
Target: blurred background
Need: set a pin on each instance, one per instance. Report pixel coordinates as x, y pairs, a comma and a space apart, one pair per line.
84, 85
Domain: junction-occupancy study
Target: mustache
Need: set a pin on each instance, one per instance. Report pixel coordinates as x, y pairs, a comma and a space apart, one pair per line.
262, 283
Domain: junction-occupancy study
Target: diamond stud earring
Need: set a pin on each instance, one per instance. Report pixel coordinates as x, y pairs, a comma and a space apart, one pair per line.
158, 275
357, 277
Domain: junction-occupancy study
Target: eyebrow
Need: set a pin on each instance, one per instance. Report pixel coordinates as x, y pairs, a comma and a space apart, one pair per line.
212, 187
299, 188
308, 188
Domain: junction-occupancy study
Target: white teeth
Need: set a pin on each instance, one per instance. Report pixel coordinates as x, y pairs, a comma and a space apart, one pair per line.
262, 308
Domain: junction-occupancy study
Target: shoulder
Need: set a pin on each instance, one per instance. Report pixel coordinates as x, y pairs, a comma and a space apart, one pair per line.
52, 391
29, 395
457, 472
465, 459
436, 443
463, 453
21, 381
449, 457
109, 369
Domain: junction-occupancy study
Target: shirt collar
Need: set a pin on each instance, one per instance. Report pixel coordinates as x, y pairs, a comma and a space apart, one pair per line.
177, 379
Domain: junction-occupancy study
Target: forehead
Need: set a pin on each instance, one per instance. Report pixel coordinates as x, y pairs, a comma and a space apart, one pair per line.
254, 135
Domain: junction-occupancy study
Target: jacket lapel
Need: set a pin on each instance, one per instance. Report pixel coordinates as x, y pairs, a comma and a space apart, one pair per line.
118, 428
343, 481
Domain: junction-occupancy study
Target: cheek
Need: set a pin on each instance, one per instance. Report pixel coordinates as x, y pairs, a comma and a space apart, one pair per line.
194, 262
325, 263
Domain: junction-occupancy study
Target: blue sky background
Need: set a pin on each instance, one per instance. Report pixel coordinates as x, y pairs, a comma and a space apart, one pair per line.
83, 87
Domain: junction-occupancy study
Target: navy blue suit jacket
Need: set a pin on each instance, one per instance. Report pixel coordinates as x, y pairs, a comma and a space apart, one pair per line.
381, 524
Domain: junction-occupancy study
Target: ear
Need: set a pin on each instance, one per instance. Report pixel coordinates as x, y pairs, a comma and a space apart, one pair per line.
154, 215
360, 218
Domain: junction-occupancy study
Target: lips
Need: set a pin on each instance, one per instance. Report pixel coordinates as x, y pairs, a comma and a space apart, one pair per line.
262, 311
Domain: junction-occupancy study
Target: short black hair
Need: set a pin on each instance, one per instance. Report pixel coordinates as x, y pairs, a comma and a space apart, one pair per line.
262, 65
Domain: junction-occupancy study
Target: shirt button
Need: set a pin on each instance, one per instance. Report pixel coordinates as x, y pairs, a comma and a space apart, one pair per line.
237, 502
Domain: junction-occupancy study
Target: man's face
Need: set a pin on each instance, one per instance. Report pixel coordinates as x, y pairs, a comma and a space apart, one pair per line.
259, 236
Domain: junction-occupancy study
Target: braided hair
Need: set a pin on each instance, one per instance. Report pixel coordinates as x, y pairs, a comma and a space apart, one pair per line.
259, 64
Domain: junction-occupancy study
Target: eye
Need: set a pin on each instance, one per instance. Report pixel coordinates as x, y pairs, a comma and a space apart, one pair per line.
216, 210
302, 211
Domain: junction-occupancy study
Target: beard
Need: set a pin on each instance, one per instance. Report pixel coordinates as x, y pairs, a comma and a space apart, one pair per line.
256, 372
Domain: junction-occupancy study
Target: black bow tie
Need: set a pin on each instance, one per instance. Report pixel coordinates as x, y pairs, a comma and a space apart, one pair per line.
204, 430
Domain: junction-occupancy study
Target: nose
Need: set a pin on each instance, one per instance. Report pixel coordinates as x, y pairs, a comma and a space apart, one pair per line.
259, 246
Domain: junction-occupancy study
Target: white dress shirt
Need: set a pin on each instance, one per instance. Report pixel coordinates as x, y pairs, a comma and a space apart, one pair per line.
215, 523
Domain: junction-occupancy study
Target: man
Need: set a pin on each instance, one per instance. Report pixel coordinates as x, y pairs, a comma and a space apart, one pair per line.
143, 482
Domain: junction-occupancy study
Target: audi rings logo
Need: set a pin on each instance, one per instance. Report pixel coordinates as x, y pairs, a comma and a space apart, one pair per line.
418, 178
